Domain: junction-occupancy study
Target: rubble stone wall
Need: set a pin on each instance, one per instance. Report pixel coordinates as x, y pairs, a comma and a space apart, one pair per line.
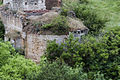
26, 4
52, 3
11, 22
36, 44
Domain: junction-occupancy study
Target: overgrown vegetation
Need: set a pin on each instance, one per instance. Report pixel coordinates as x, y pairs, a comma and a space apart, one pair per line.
95, 58
93, 54
97, 15
0, 2
57, 26
15, 66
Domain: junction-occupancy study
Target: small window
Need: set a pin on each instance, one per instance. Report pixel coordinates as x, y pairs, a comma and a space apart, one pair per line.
42, 1
9, 39
82, 31
75, 31
78, 32
25, 3
35, 3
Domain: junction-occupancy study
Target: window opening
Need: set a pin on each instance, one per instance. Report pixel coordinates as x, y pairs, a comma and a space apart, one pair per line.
25, 3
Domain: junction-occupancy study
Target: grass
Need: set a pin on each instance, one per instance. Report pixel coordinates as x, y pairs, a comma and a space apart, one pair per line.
109, 9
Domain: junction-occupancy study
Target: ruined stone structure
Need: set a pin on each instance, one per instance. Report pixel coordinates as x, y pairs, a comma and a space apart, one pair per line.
32, 4
18, 18
26, 4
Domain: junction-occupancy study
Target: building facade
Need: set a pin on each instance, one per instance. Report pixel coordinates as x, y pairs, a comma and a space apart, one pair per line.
20, 32
32, 4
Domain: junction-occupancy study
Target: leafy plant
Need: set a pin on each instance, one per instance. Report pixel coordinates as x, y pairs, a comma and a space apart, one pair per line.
17, 68
5, 52
57, 26
93, 54
59, 71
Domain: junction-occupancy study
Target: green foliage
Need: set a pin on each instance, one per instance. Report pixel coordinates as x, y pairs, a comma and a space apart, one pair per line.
83, 1
96, 14
59, 71
93, 54
12, 65
99, 57
1, 3
17, 68
57, 26
90, 18
64, 11
5, 52
87, 14
53, 50
2, 31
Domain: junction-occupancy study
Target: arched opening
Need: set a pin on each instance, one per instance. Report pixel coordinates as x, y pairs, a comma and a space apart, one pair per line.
25, 3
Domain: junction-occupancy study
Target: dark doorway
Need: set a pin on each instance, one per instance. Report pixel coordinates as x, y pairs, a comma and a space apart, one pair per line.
2, 30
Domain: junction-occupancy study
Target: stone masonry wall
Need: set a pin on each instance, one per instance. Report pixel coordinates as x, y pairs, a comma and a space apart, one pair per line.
52, 3
11, 22
36, 45
26, 4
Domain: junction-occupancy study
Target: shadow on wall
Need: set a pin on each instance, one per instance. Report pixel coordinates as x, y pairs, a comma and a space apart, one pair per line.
2, 30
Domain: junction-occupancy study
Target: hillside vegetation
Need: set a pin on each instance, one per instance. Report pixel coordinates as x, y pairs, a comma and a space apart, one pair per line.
96, 14
97, 57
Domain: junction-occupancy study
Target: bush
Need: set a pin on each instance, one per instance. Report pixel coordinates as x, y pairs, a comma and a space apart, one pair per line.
90, 18
88, 13
5, 52
58, 26
18, 68
58, 71
93, 54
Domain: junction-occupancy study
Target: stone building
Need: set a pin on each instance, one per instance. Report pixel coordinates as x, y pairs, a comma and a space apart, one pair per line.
32, 4
18, 21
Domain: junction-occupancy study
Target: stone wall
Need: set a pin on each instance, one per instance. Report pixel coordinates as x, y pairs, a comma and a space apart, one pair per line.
13, 29
26, 4
11, 22
36, 45
32, 4
52, 3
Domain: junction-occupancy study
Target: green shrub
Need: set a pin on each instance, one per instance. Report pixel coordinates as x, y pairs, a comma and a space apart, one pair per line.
54, 50
5, 52
84, 1
90, 18
64, 11
17, 68
58, 26
93, 54
58, 71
